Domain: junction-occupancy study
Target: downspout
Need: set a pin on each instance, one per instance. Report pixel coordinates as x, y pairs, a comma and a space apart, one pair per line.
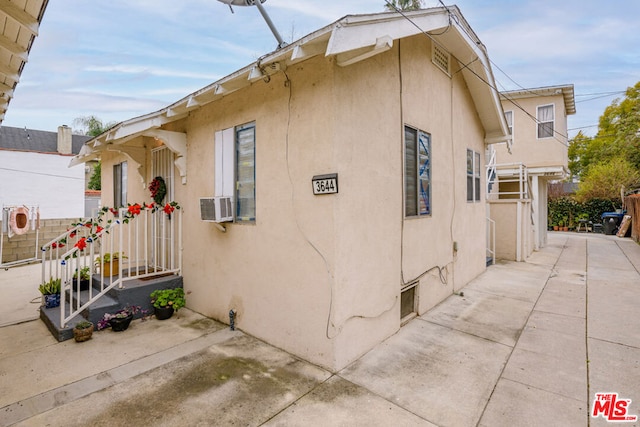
519, 232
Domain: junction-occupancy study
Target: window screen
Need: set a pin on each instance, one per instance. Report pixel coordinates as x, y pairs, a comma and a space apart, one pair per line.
417, 172
246, 172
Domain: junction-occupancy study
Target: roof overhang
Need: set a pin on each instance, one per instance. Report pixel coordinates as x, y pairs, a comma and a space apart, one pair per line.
349, 40
565, 90
20, 25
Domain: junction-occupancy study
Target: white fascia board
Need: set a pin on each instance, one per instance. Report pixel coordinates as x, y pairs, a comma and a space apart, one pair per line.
354, 33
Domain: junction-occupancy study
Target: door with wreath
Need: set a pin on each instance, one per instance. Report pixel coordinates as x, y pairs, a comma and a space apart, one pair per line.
163, 233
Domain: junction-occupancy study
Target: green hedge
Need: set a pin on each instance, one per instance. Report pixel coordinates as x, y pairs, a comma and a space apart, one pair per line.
567, 210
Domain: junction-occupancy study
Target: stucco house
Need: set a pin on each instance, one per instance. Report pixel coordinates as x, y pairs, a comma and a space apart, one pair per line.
519, 173
324, 188
34, 175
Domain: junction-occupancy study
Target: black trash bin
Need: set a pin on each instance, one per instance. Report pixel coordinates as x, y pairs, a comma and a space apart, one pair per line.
610, 222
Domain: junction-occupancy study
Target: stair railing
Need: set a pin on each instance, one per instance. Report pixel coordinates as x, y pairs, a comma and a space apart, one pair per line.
148, 243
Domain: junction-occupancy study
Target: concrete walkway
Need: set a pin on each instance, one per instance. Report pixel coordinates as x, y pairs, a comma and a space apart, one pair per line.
525, 344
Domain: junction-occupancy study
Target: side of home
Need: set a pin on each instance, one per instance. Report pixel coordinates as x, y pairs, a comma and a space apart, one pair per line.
392, 125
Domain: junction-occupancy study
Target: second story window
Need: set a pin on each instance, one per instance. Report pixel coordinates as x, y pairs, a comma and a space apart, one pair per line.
546, 118
508, 115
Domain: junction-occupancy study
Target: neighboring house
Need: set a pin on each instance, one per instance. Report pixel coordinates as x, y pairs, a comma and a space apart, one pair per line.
35, 171
34, 175
537, 119
20, 25
343, 160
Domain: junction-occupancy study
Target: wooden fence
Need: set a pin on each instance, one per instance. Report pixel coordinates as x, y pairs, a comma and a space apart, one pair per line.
632, 204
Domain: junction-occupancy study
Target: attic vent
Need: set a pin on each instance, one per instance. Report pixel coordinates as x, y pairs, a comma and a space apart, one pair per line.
441, 58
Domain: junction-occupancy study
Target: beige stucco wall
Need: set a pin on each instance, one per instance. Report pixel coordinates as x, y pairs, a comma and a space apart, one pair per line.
507, 214
320, 276
527, 148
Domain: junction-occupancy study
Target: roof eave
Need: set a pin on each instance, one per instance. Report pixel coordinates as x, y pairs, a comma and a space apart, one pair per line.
350, 39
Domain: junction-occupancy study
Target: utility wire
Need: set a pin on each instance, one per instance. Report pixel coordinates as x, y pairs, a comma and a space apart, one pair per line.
43, 174
466, 66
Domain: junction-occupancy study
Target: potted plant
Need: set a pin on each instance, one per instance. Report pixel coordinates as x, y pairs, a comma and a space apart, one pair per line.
166, 301
565, 223
51, 292
109, 263
83, 331
82, 275
120, 320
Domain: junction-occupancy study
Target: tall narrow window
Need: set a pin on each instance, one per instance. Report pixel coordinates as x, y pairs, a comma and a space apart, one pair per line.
120, 185
417, 172
546, 118
246, 172
508, 115
473, 176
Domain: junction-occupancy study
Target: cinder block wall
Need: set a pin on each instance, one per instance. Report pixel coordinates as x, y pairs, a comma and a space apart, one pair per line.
24, 246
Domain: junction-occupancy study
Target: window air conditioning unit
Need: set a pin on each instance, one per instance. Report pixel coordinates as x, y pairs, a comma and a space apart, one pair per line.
216, 209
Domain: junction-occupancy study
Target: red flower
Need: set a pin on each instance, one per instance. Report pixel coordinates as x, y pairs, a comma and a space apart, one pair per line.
88, 224
54, 245
72, 235
113, 211
99, 229
150, 206
135, 209
81, 244
168, 209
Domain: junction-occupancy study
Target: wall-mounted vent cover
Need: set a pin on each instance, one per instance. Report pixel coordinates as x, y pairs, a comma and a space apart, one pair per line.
441, 59
216, 209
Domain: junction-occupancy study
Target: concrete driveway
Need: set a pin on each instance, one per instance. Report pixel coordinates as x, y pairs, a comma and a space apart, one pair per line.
525, 344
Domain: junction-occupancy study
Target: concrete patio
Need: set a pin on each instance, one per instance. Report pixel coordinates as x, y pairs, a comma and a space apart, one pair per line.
523, 344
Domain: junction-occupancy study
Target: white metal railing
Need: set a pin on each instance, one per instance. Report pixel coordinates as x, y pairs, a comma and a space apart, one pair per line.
491, 240
516, 174
491, 154
148, 243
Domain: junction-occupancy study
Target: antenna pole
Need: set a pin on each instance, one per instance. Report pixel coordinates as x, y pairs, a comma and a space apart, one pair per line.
276, 34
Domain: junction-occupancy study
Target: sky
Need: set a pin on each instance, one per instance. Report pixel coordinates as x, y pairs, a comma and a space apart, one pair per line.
118, 59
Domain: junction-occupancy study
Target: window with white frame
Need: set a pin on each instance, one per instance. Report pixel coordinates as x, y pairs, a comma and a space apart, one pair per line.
120, 185
235, 167
473, 176
417, 172
508, 115
546, 119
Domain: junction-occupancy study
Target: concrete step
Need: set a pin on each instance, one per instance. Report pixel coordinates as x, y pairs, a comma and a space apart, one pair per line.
133, 293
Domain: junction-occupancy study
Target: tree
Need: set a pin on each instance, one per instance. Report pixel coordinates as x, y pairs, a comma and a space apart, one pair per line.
393, 5
91, 125
95, 182
618, 136
605, 180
